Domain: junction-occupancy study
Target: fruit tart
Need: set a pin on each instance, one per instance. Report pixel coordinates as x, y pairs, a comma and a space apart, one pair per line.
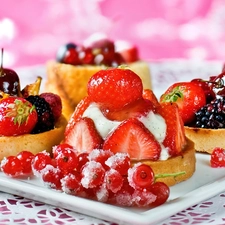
28, 120
201, 105
119, 115
68, 75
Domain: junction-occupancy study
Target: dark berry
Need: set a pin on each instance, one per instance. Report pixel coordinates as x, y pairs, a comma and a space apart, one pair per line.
45, 116
211, 115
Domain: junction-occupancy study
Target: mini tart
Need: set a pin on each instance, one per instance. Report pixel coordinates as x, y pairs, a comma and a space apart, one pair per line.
70, 82
206, 139
184, 162
33, 142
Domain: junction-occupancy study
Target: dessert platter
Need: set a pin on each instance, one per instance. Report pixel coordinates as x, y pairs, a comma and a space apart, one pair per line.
137, 161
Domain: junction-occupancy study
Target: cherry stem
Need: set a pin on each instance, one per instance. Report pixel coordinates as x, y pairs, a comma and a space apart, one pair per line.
169, 175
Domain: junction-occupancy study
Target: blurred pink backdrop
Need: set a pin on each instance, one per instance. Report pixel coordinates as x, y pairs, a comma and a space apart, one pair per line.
32, 31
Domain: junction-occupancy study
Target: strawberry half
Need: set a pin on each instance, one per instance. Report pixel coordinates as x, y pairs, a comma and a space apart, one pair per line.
175, 137
136, 109
83, 135
149, 95
132, 137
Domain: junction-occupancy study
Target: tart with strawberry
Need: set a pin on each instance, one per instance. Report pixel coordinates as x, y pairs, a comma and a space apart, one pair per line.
28, 120
68, 75
119, 115
201, 105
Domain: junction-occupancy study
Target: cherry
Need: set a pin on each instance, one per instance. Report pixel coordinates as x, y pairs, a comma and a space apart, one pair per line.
9, 80
162, 192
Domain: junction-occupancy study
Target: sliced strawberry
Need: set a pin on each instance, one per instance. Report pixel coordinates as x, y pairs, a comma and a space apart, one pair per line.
136, 109
78, 113
83, 135
114, 88
149, 94
175, 136
132, 137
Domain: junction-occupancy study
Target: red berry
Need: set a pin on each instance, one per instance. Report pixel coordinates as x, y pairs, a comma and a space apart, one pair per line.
92, 174
26, 158
140, 176
52, 177
40, 161
57, 149
218, 158
115, 88
11, 166
119, 162
113, 180
71, 183
82, 160
66, 161
143, 198
162, 192
100, 155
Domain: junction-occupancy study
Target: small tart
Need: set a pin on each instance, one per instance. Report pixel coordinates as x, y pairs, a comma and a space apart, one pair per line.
206, 139
33, 142
184, 162
70, 82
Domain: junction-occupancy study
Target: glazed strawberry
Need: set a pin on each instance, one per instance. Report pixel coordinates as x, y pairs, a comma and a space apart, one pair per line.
189, 97
83, 135
175, 137
218, 158
17, 116
149, 95
115, 88
132, 137
136, 109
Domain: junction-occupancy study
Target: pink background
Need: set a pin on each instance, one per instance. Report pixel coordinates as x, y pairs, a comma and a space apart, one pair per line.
32, 31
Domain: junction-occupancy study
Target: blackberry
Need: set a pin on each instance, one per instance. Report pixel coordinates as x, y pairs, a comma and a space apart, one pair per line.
45, 116
211, 115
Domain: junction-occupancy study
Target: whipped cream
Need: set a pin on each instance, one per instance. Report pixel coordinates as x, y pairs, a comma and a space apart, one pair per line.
155, 123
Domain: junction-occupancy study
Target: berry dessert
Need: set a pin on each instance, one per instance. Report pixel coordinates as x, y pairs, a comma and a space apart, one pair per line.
28, 120
201, 105
119, 116
68, 75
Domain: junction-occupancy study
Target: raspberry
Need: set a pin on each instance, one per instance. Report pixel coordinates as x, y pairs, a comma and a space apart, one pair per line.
55, 103
45, 116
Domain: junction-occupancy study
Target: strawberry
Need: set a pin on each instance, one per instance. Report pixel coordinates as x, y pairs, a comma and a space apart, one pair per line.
175, 136
114, 88
136, 109
132, 137
189, 96
149, 94
17, 116
83, 135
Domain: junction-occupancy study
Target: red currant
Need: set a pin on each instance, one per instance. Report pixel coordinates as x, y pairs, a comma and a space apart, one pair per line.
162, 192
141, 176
82, 160
119, 162
11, 166
59, 148
92, 174
113, 180
143, 198
40, 161
66, 161
52, 177
26, 158
218, 158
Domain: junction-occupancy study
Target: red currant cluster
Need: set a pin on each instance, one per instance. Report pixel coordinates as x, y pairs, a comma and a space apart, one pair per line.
99, 175
101, 54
